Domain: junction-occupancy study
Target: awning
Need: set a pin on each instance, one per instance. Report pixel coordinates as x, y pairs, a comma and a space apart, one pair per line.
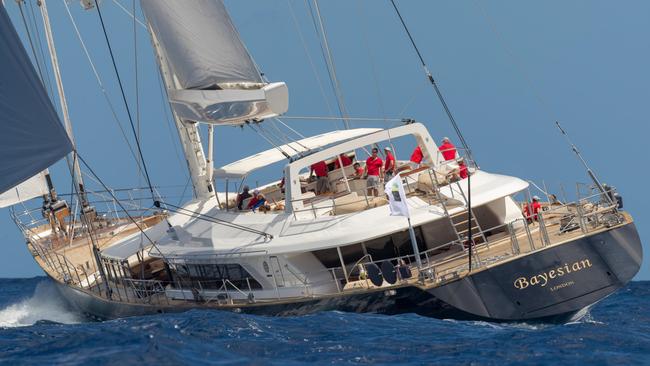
243, 167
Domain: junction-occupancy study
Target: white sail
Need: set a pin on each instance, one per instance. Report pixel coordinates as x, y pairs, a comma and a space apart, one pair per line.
35, 186
31, 135
216, 78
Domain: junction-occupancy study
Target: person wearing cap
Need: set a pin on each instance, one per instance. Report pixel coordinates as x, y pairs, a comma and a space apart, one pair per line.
536, 206
447, 149
416, 157
242, 196
389, 166
322, 180
373, 171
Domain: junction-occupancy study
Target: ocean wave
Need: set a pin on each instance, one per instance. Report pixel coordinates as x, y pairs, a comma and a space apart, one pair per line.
45, 305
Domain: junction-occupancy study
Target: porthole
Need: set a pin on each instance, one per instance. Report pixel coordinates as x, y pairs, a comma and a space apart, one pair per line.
266, 266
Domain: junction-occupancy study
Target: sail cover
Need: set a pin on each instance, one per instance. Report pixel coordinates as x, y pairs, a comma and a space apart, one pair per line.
31, 135
200, 42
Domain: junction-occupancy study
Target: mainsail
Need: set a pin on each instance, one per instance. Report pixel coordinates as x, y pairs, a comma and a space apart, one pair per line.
31, 135
216, 78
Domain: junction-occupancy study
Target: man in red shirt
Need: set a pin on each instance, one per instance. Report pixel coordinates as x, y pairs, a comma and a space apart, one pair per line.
447, 149
416, 157
462, 169
536, 206
322, 181
373, 170
343, 159
389, 167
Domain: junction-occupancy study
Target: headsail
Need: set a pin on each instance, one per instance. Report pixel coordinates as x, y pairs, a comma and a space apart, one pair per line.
31, 135
35, 186
216, 78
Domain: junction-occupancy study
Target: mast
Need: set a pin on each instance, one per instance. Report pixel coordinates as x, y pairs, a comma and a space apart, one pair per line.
62, 100
188, 131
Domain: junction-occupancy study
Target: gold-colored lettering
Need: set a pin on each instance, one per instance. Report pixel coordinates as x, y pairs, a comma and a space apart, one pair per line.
576, 267
566, 266
551, 273
521, 283
585, 263
560, 272
544, 277
533, 281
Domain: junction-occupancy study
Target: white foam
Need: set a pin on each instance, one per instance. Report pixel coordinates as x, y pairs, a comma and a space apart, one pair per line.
45, 304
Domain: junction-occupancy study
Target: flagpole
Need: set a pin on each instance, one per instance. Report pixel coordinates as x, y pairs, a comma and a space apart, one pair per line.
414, 243
469, 219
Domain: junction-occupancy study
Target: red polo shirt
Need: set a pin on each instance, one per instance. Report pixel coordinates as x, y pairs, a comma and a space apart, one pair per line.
462, 171
344, 159
416, 157
448, 150
390, 162
373, 165
320, 169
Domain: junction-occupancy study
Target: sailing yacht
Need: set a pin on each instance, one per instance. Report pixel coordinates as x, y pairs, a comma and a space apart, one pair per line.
466, 250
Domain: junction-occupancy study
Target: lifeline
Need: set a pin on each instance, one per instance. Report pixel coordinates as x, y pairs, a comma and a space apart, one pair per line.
543, 278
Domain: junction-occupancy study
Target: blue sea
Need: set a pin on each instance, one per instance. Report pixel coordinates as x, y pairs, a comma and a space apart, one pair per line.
36, 328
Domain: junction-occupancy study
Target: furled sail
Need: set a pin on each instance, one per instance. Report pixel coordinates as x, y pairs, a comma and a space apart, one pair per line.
217, 80
31, 135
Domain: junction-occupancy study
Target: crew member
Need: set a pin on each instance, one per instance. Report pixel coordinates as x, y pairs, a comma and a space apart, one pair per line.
373, 170
389, 166
343, 159
536, 206
322, 181
462, 169
447, 149
358, 170
416, 158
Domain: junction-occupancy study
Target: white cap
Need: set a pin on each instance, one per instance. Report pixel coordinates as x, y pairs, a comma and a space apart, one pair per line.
388, 148
445, 139
257, 191
536, 198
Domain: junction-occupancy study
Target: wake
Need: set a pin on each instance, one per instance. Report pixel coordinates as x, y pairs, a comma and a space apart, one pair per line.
44, 305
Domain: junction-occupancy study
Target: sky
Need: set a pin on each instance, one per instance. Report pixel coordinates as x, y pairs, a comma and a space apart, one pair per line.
508, 70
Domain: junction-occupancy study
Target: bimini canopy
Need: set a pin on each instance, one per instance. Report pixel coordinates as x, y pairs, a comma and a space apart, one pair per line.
216, 78
31, 135
242, 168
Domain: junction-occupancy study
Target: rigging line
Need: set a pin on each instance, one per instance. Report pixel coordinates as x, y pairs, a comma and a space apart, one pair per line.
373, 69
329, 61
277, 137
132, 15
31, 44
291, 129
368, 119
135, 62
282, 136
288, 127
434, 84
102, 88
169, 122
200, 216
490, 21
119, 203
269, 141
39, 44
311, 61
126, 104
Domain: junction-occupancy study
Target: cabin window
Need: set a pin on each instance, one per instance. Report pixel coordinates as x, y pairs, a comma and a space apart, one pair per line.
213, 276
328, 257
